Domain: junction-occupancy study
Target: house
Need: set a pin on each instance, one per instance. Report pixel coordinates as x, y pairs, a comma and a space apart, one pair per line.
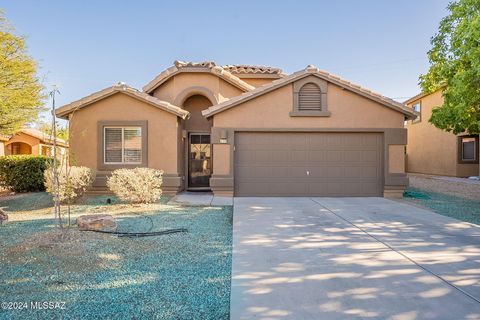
30, 141
247, 131
3, 140
433, 151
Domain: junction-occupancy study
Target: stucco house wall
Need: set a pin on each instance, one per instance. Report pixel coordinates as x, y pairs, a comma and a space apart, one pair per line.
181, 86
350, 112
189, 100
162, 131
431, 150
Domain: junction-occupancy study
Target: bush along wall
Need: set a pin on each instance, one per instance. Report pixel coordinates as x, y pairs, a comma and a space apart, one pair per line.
23, 173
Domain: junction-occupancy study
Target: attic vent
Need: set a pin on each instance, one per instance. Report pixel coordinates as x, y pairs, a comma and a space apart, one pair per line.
309, 98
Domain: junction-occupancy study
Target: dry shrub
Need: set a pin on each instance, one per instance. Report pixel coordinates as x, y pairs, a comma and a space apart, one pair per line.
139, 185
74, 181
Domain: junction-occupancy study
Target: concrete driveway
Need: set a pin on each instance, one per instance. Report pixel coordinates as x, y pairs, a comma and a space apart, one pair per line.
343, 258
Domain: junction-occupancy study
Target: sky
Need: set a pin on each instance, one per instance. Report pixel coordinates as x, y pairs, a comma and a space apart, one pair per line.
85, 46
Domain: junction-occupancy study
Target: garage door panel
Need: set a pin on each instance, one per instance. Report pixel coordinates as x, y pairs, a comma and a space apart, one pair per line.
369, 156
339, 164
334, 156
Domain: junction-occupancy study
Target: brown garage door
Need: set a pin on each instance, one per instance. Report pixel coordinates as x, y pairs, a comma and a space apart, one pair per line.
308, 164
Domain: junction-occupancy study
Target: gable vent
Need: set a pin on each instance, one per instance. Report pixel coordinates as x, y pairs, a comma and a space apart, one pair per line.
309, 98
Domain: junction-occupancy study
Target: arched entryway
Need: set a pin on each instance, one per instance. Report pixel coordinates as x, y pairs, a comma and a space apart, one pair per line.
15, 148
198, 149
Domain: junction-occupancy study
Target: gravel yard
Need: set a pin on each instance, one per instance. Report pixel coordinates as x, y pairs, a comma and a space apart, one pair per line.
459, 208
179, 276
459, 187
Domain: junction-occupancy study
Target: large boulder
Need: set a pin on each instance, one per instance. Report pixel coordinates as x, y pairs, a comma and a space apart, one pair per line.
103, 222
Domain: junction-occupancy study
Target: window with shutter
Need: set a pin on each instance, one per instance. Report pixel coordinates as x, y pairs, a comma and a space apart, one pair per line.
123, 145
468, 149
310, 98
132, 145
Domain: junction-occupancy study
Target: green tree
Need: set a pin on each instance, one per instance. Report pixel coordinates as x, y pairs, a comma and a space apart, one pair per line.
455, 69
46, 127
21, 96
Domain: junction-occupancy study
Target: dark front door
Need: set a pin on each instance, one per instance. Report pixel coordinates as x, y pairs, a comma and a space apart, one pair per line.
199, 160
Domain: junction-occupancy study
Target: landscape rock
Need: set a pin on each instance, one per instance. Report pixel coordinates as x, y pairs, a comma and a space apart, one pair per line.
104, 222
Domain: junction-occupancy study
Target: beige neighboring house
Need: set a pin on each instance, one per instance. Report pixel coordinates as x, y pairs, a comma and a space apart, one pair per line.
30, 141
434, 151
245, 131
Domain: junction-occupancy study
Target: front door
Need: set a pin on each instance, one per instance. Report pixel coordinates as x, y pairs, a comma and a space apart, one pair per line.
199, 160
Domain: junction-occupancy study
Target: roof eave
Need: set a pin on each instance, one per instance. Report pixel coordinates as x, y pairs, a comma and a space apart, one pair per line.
64, 111
292, 78
218, 71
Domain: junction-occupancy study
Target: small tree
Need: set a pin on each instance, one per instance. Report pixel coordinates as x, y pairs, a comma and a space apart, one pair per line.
139, 185
21, 95
73, 182
455, 69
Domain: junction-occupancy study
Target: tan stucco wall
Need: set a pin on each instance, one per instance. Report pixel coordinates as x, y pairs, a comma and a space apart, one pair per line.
396, 159
271, 110
431, 150
349, 111
257, 82
180, 83
33, 142
162, 131
195, 105
222, 152
2, 148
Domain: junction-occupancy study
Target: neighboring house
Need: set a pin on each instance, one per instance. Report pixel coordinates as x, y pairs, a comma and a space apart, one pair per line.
31, 141
247, 131
433, 151
3, 140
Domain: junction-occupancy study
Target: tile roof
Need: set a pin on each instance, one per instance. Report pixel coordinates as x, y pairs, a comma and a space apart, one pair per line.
310, 70
243, 69
206, 66
42, 136
120, 87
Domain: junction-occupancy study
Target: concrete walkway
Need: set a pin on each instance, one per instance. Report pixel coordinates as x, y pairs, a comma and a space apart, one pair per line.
344, 258
200, 199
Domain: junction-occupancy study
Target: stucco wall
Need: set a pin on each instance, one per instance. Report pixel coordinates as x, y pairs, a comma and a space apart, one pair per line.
349, 112
162, 131
431, 150
195, 105
33, 142
256, 82
271, 110
174, 89
396, 159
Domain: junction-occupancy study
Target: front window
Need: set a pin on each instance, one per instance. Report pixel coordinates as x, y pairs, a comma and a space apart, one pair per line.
417, 108
123, 145
468, 149
46, 150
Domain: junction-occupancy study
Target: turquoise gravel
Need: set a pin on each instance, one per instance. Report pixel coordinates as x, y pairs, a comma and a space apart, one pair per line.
447, 205
101, 276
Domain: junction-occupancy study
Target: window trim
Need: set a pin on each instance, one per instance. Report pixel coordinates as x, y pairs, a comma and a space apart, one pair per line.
101, 164
297, 85
123, 144
418, 113
460, 150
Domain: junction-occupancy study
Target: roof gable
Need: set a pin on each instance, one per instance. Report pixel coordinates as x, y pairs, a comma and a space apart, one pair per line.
64, 111
205, 67
309, 71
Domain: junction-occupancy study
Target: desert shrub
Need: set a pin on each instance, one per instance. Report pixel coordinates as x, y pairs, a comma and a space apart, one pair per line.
23, 173
73, 182
139, 185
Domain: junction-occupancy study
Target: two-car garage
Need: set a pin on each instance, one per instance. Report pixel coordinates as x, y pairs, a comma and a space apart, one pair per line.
308, 164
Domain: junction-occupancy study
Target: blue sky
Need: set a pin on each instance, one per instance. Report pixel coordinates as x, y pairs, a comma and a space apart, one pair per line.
84, 46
